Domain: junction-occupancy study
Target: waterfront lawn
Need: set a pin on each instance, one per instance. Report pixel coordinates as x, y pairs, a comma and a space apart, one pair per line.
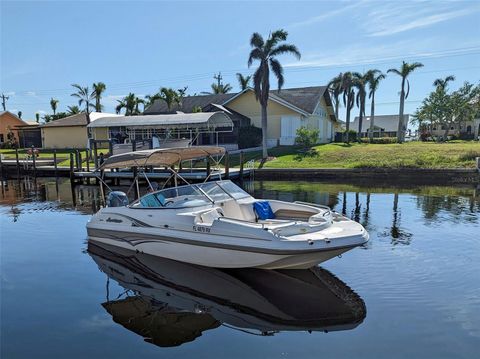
63, 156
454, 154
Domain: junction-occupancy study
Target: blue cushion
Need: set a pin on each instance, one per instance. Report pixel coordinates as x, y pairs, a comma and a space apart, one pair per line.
160, 198
263, 210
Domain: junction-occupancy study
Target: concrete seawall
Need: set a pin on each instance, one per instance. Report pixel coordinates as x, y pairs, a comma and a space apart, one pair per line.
442, 176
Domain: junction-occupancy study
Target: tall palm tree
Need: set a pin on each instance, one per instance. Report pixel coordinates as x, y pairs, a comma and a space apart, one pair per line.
73, 110
243, 81
360, 82
265, 52
348, 90
53, 105
376, 76
84, 97
99, 89
405, 70
130, 103
221, 88
442, 83
335, 88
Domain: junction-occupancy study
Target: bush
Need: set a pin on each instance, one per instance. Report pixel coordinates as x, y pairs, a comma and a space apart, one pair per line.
466, 136
249, 136
307, 138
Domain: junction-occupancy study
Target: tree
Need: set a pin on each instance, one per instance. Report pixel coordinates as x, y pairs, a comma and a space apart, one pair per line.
405, 70
131, 105
73, 110
360, 82
221, 88
348, 90
84, 97
19, 114
265, 52
181, 93
98, 88
53, 105
4, 101
37, 117
243, 81
442, 83
373, 82
335, 88
170, 96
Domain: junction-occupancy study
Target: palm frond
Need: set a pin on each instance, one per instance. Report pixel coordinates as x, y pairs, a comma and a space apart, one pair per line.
277, 69
257, 40
286, 49
255, 54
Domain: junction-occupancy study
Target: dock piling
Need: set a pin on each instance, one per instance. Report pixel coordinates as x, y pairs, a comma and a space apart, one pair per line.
34, 161
227, 165
55, 163
240, 174
18, 162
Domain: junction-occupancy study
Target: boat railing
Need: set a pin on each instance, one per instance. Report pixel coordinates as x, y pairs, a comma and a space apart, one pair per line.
328, 209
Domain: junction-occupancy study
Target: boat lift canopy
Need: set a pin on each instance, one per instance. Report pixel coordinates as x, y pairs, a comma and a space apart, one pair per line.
164, 157
199, 122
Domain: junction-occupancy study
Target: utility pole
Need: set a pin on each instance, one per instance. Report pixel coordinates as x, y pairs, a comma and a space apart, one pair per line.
4, 101
218, 78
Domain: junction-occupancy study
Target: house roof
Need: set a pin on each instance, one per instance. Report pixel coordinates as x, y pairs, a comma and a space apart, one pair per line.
387, 123
302, 99
12, 114
189, 103
79, 119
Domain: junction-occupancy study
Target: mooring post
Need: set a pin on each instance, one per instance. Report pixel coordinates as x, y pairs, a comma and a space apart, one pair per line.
18, 162
55, 162
208, 167
87, 161
240, 174
80, 160
110, 147
34, 164
72, 178
227, 165
1, 167
95, 154
134, 145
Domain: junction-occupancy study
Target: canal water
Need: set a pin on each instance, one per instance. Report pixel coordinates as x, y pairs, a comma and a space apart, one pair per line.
412, 291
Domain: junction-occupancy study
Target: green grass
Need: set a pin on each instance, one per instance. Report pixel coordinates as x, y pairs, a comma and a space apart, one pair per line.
63, 156
457, 154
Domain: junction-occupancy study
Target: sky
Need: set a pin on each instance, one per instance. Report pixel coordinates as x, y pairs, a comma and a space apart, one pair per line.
140, 46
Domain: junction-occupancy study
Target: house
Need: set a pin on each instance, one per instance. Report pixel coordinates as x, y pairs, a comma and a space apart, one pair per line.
8, 123
384, 125
466, 130
287, 110
29, 135
69, 132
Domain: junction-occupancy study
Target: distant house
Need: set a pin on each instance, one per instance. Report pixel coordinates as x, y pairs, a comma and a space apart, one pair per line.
384, 125
69, 132
288, 110
8, 123
469, 129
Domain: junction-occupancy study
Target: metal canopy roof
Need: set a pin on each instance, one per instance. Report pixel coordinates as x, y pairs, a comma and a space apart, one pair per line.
184, 121
160, 157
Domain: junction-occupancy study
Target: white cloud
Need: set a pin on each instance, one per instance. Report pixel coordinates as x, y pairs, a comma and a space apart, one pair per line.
395, 18
325, 15
30, 93
10, 93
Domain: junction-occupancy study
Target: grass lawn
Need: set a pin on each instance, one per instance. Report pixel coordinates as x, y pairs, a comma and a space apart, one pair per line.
454, 154
63, 156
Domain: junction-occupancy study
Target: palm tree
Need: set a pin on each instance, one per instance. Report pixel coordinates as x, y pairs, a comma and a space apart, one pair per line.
243, 81
442, 83
53, 105
37, 117
221, 88
405, 70
376, 76
335, 88
150, 99
348, 90
73, 110
84, 97
99, 88
170, 96
265, 52
360, 82
130, 103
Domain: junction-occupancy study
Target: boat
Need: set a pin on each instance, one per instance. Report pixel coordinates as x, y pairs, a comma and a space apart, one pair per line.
170, 303
216, 223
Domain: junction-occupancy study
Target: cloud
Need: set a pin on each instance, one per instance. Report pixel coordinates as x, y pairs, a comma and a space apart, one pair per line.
325, 15
395, 18
10, 93
30, 93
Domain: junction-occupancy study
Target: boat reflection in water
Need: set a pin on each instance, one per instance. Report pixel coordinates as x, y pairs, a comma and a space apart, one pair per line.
174, 302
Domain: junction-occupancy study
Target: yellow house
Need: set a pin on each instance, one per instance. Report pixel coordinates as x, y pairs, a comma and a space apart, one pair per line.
69, 132
287, 110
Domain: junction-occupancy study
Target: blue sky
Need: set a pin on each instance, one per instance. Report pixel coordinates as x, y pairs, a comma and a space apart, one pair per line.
135, 46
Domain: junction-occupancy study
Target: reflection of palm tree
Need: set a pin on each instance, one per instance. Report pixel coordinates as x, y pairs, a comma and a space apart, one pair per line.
366, 214
356, 211
397, 234
344, 204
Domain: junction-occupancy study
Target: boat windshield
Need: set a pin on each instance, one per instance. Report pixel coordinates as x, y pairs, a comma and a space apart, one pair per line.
192, 195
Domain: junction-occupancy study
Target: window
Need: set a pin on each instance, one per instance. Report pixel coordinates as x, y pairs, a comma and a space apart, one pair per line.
469, 129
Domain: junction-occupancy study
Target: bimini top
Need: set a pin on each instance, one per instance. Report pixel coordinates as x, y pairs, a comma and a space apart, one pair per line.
162, 157
186, 121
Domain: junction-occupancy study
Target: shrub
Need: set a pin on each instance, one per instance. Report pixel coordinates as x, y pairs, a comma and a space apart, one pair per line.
307, 138
249, 136
380, 140
466, 136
